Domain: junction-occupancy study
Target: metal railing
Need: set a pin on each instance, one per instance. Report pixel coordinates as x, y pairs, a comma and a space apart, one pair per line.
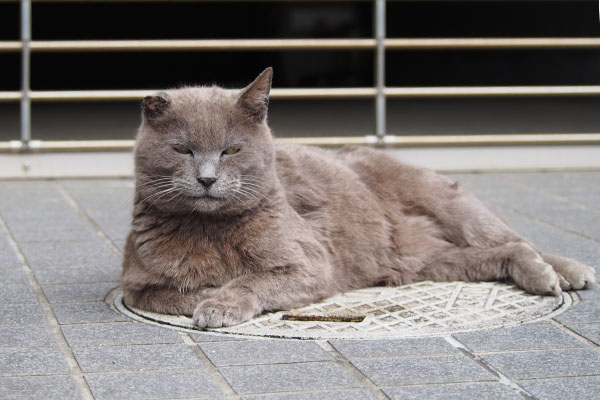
379, 43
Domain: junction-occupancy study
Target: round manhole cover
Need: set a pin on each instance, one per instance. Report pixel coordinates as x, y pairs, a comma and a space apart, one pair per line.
421, 309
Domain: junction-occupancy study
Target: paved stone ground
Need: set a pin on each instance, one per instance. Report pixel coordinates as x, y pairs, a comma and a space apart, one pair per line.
60, 250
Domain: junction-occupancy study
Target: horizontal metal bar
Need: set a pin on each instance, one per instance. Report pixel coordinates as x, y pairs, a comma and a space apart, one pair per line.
217, 44
12, 46
332, 93
305, 44
493, 139
77, 95
492, 91
10, 96
273, 1
323, 93
492, 43
101, 95
389, 140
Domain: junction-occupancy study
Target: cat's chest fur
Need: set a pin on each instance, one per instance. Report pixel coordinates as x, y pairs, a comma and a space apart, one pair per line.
189, 253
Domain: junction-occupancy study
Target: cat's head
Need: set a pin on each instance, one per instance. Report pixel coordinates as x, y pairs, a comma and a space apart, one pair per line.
205, 149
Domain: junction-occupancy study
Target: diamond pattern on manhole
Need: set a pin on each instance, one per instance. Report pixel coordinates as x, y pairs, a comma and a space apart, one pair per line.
420, 309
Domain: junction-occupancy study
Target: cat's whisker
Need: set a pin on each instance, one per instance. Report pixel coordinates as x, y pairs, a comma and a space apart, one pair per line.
159, 187
251, 184
154, 182
248, 195
253, 191
250, 178
159, 195
156, 194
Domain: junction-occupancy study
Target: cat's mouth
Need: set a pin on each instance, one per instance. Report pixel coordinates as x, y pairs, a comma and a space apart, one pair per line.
205, 196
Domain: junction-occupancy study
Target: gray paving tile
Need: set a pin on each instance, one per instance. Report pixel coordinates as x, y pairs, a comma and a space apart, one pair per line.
21, 314
287, 377
120, 243
414, 371
388, 348
201, 337
56, 387
29, 229
576, 219
263, 352
90, 312
153, 385
137, 358
17, 293
546, 364
28, 210
115, 230
8, 257
474, 391
78, 292
123, 333
78, 274
551, 239
69, 253
580, 388
592, 293
12, 273
26, 336
313, 395
585, 312
32, 362
589, 331
537, 336
77, 231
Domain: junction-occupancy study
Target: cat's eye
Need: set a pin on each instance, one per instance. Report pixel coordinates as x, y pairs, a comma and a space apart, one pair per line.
231, 150
181, 149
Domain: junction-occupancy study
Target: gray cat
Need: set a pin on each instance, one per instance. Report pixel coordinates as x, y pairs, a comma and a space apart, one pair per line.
228, 224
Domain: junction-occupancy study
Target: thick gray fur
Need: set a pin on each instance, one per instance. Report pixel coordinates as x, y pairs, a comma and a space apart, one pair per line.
229, 224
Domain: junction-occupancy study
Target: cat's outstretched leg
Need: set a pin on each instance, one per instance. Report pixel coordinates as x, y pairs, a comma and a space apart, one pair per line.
516, 260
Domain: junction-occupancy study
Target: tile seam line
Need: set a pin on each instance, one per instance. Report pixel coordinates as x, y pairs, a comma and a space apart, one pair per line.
541, 221
502, 379
65, 349
491, 353
551, 194
549, 378
363, 380
214, 373
589, 344
268, 395
79, 209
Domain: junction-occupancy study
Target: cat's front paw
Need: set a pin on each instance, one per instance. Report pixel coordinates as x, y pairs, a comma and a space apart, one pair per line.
224, 311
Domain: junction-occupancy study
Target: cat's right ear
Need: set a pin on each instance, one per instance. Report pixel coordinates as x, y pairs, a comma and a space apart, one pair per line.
155, 106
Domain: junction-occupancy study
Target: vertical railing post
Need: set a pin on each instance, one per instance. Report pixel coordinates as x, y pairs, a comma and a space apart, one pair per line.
25, 72
380, 113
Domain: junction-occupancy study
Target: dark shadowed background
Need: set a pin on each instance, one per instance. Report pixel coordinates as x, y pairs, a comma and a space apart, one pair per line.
304, 69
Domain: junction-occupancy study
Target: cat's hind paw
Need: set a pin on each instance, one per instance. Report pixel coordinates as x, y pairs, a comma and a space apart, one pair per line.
574, 274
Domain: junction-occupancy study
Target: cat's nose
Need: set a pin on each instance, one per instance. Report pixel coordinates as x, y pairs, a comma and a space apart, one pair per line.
206, 182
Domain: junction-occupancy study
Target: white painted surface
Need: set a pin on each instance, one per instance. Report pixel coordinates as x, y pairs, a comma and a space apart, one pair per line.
120, 164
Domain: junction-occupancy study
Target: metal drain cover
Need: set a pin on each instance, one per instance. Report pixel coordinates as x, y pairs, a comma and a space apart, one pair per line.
420, 309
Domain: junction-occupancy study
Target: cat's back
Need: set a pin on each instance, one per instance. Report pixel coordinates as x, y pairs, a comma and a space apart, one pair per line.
323, 187
312, 173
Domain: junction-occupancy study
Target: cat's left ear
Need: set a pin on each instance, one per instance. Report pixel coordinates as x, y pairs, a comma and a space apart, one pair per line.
254, 98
